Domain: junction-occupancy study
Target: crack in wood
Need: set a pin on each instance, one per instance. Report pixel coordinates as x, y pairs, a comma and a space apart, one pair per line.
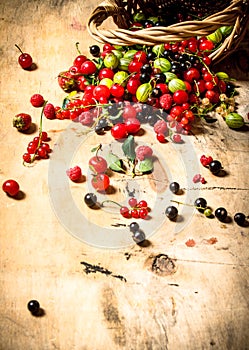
89, 268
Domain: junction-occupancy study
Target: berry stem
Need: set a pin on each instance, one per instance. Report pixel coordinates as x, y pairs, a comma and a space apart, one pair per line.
19, 48
77, 48
110, 201
189, 205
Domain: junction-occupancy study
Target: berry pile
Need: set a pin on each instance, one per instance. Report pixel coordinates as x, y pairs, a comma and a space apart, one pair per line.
137, 210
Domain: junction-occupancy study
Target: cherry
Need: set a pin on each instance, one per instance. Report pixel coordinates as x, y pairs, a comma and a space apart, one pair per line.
25, 60
11, 187
98, 164
88, 67
100, 182
132, 125
119, 131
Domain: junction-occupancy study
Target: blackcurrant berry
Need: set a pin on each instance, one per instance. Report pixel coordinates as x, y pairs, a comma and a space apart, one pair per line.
200, 204
90, 199
33, 306
171, 212
215, 166
144, 78
151, 56
240, 219
174, 187
160, 78
138, 236
94, 50
134, 227
220, 214
146, 68
102, 126
156, 92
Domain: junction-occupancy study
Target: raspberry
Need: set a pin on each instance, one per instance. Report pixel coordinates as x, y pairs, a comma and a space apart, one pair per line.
37, 100
143, 152
205, 161
160, 127
166, 101
86, 118
49, 111
74, 173
197, 178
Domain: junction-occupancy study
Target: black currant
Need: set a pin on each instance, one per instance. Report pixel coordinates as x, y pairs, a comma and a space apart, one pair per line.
171, 212
146, 68
34, 306
151, 119
215, 166
138, 236
174, 187
160, 78
102, 126
200, 204
156, 92
134, 227
240, 219
151, 56
94, 50
144, 78
220, 214
90, 199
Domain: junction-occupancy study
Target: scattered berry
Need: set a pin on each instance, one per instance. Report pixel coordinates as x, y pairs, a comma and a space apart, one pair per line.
200, 204
240, 219
171, 212
11, 187
215, 167
174, 187
221, 214
22, 121
25, 60
74, 173
205, 161
134, 227
49, 111
143, 152
90, 199
37, 100
138, 236
34, 307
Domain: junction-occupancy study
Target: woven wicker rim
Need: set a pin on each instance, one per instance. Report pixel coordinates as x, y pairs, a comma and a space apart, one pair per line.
235, 15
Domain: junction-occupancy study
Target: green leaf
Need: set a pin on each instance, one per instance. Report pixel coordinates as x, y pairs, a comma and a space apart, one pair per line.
146, 165
113, 162
128, 148
65, 102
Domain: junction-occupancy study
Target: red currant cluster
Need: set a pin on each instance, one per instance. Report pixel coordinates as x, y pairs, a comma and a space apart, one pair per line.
137, 210
37, 149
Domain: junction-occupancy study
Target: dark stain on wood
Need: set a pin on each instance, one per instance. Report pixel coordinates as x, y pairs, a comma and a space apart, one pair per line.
89, 268
111, 314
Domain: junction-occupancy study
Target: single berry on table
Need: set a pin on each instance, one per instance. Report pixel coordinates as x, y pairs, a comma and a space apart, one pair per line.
11, 187
174, 187
22, 121
138, 236
37, 100
208, 212
134, 227
240, 219
221, 214
171, 212
74, 173
215, 167
90, 199
33, 306
200, 204
98, 164
100, 182
25, 60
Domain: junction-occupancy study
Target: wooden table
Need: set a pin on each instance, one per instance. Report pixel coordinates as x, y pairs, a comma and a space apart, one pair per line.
163, 296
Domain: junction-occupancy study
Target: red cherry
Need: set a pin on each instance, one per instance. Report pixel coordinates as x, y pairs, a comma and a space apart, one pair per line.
117, 90
106, 73
11, 187
98, 164
100, 182
79, 60
132, 125
180, 97
88, 68
25, 60
119, 131
132, 85
140, 56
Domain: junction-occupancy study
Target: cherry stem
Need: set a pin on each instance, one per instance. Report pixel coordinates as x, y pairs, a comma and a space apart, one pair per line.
189, 205
110, 201
18, 48
77, 48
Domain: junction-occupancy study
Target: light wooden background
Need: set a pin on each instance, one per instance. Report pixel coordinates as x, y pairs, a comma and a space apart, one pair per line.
201, 304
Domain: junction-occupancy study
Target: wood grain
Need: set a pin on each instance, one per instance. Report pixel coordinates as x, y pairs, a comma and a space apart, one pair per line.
165, 295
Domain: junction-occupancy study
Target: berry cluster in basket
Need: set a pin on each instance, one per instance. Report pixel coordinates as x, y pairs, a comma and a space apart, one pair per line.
174, 77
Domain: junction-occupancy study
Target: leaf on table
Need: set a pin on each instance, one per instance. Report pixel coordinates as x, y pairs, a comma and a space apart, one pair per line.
128, 148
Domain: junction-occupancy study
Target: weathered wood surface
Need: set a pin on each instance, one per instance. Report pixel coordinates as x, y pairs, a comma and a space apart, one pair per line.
93, 298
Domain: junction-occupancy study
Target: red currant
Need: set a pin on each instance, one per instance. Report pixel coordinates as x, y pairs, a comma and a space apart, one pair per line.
11, 187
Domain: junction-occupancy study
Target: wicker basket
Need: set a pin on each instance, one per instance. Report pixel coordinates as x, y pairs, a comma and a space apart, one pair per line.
218, 13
